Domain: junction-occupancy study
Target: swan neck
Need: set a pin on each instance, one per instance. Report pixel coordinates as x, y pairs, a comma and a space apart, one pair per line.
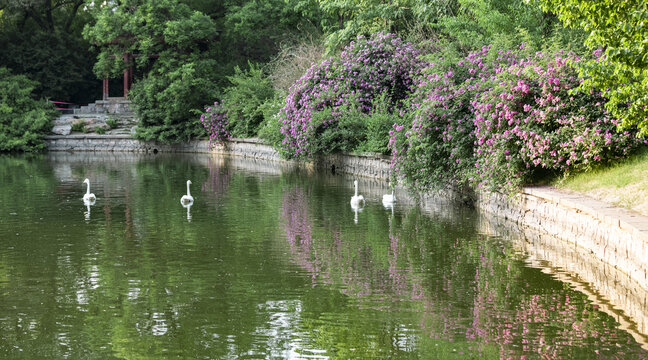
88, 188
355, 185
188, 194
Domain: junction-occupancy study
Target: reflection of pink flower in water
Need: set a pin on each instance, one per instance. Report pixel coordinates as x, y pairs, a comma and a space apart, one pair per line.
487, 309
299, 229
219, 179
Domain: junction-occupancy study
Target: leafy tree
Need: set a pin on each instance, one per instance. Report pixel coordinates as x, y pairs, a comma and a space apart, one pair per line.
42, 39
172, 45
619, 29
479, 22
343, 20
250, 89
23, 119
49, 15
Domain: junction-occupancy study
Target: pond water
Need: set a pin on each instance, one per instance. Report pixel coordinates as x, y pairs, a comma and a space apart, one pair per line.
268, 262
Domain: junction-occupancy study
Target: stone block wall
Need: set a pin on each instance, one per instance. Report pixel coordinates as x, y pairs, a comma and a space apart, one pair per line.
616, 236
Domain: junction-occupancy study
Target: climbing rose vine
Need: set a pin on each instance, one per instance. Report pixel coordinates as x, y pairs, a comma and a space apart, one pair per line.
437, 147
533, 121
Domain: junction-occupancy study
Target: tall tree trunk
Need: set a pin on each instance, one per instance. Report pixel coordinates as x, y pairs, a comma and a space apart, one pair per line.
48, 15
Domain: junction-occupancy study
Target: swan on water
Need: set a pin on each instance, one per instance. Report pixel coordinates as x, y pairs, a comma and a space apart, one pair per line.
356, 199
388, 200
187, 199
88, 197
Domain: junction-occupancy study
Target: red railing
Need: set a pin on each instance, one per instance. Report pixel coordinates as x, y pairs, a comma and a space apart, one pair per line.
60, 103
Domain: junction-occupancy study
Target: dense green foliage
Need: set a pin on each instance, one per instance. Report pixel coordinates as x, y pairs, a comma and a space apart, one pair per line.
621, 73
42, 40
23, 119
184, 57
262, 63
243, 100
171, 42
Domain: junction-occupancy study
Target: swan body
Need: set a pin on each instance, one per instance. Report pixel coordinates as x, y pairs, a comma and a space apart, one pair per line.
88, 197
389, 199
356, 199
187, 199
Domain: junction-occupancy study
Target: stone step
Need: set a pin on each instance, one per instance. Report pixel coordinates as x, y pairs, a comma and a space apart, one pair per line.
64, 124
112, 115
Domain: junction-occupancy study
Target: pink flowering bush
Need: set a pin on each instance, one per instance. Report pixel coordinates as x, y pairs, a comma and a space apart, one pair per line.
437, 147
502, 119
215, 122
533, 123
379, 67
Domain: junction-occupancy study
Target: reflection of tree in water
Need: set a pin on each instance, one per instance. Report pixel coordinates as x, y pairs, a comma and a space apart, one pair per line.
218, 181
469, 292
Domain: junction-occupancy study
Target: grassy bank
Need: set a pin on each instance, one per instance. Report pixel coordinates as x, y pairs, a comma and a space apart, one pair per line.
624, 184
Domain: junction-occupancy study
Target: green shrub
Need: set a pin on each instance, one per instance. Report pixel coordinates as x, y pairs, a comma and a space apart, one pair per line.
243, 100
78, 126
346, 136
167, 101
270, 130
112, 123
99, 130
378, 125
23, 120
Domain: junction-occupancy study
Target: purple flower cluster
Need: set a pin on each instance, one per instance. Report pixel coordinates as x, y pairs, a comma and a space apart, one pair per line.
368, 68
215, 122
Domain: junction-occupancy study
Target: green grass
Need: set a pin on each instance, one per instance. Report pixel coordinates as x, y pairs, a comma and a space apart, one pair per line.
623, 184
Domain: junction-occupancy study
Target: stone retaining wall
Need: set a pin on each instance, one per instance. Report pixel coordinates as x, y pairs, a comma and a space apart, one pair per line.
617, 236
606, 286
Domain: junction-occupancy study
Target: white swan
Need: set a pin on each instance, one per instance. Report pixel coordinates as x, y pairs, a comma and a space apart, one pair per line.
187, 199
88, 197
356, 199
388, 200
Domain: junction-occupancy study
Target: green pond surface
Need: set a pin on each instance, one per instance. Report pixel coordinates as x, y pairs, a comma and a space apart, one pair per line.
268, 263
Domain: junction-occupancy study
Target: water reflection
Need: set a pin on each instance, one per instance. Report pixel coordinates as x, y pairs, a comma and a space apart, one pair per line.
188, 207
88, 202
356, 209
471, 290
271, 267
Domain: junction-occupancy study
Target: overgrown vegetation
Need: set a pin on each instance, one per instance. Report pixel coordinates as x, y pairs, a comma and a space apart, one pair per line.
617, 29
485, 93
23, 118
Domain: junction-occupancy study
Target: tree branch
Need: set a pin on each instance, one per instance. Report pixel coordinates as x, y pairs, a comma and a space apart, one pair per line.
68, 23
